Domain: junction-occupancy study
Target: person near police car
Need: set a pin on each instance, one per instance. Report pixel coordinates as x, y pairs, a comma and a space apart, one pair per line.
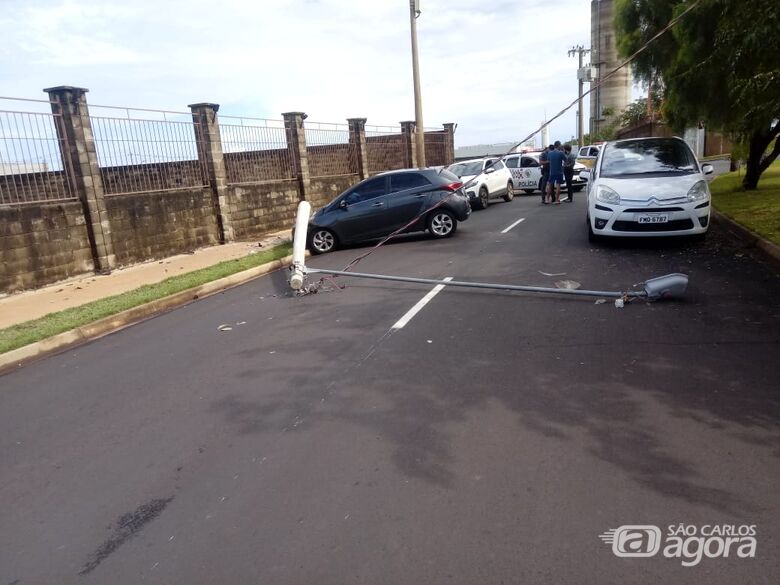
555, 161
545, 164
568, 170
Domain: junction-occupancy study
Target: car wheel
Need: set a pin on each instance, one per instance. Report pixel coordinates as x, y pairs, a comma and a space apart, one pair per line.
529, 191
510, 192
483, 199
322, 241
442, 224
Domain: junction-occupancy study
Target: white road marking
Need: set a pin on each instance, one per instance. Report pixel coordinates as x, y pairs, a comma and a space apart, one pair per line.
519, 221
418, 307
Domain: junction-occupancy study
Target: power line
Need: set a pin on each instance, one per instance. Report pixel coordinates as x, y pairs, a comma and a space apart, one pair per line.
595, 86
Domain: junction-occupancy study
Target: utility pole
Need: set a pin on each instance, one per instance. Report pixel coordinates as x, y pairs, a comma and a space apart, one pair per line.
419, 131
579, 50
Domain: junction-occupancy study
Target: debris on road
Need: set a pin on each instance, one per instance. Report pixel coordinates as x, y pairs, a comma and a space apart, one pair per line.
568, 284
224, 327
619, 303
600, 301
552, 273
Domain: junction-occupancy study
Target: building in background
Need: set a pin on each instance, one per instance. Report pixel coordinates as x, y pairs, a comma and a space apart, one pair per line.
609, 99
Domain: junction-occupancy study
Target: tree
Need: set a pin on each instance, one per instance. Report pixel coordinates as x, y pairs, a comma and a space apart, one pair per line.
719, 65
638, 112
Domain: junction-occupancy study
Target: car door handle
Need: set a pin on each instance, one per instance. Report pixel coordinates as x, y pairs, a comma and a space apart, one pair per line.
378, 204
420, 196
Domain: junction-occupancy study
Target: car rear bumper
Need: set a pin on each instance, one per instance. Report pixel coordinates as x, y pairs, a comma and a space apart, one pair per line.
623, 220
460, 209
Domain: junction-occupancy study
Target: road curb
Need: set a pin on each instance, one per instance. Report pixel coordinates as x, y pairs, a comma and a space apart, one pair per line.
751, 239
96, 329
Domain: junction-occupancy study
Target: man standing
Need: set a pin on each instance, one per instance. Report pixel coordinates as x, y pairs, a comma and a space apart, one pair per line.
545, 172
568, 170
555, 158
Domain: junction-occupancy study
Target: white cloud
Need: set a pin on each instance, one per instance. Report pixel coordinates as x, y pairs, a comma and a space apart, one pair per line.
492, 67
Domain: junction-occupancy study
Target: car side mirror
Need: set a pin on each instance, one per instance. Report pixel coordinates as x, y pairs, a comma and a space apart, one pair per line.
707, 169
490, 170
585, 175
343, 204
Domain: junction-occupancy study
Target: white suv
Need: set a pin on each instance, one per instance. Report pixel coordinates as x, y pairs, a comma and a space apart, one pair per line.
491, 179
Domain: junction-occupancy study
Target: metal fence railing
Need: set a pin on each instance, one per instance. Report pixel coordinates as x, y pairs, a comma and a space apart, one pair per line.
385, 149
143, 150
255, 149
31, 165
329, 150
436, 148
147, 150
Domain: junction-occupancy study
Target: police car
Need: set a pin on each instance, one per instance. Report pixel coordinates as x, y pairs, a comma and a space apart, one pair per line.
526, 171
587, 154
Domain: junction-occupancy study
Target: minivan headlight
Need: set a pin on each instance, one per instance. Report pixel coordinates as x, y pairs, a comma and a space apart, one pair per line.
699, 192
607, 195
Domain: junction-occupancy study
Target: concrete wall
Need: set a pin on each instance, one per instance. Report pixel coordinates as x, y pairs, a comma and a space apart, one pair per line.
258, 165
332, 160
153, 177
436, 149
645, 130
324, 190
120, 215
157, 224
715, 144
386, 153
33, 187
42, 243
263, 207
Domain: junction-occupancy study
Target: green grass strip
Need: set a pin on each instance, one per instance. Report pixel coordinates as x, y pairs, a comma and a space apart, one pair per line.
757, 210
49, 325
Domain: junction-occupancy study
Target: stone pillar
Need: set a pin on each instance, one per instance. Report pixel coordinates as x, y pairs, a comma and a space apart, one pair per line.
296, 145
357, 136
79, 157
209, 144
409, 144
449, 150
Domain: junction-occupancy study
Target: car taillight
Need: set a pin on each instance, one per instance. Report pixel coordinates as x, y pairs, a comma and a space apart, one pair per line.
453, 186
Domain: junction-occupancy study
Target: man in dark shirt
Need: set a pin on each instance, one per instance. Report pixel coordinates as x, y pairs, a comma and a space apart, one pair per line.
545, 164
568, 171
555, 158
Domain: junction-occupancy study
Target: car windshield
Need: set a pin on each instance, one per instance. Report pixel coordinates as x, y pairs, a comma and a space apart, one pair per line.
644, 157
466, 169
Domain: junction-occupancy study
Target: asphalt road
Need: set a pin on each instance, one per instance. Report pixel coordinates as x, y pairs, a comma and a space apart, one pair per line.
490, 440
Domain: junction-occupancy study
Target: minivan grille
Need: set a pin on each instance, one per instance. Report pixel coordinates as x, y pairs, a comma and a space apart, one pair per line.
669, 226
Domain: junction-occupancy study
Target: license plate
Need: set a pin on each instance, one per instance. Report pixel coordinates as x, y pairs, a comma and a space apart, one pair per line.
653, 218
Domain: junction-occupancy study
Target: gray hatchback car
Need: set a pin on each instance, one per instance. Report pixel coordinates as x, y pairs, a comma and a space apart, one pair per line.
387, 202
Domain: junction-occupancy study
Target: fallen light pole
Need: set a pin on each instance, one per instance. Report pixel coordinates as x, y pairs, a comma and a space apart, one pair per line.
664, 287
670, 286
299, 246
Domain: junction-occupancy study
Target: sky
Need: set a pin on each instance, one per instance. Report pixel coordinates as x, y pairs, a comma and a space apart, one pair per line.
496, 68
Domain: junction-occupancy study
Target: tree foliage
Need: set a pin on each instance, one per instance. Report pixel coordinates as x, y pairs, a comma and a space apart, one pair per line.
719, 65
637, 111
